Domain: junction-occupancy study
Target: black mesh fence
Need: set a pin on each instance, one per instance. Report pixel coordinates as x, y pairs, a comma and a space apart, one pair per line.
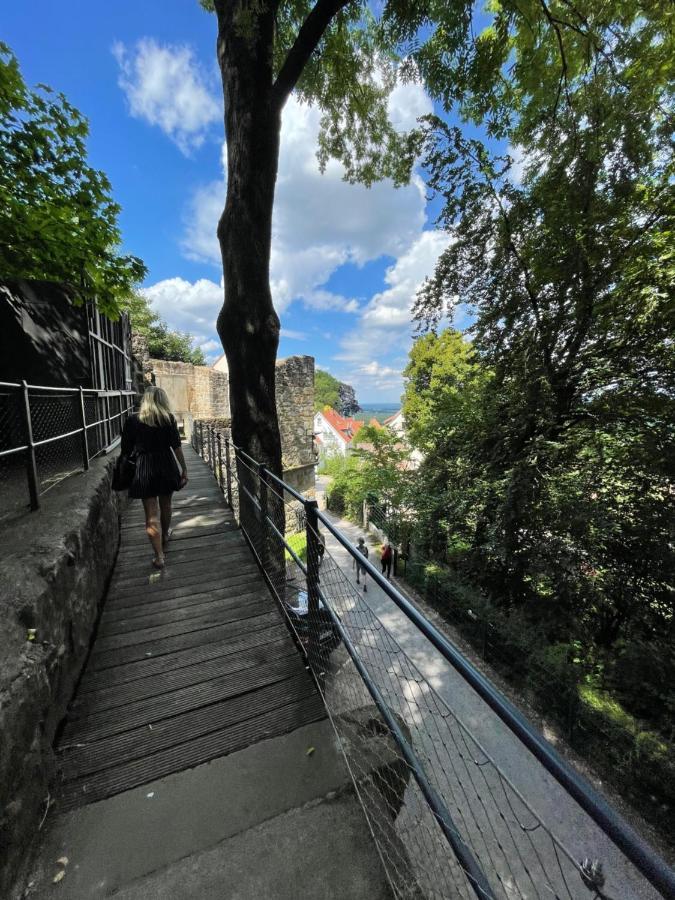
42, 438
446, 819
13, 460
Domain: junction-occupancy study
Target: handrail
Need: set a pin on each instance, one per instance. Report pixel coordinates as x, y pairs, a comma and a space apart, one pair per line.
636, 850
109, 423
645, 859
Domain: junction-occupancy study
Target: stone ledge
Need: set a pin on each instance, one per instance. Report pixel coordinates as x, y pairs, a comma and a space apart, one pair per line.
55, 566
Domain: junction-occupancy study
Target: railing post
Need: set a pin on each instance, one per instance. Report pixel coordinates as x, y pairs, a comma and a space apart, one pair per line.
85, 441
228, 473
313, 553
263, 498
31, 464
212, 449
219, 477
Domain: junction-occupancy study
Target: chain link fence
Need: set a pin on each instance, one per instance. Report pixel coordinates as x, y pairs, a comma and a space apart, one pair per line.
630, 755
445, 818
47, 434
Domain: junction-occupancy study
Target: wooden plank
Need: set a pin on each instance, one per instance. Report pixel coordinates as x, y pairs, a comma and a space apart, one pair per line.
163, 616
159, 665
117, 657
245, 584
110, 752
154, 709
190, 753
216, 616
217, 564
156, 585
87, 704
188, 663
187, 588
187, 542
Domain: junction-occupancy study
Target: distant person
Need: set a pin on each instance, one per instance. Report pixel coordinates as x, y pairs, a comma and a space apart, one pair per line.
321, 546
361, 570
386, 558
153, 437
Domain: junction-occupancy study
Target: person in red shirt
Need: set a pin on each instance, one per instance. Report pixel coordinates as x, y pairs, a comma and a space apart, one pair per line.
386, 559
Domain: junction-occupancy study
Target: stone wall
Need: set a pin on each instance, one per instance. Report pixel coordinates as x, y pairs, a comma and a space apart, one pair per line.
56, 563
295, 407
195, 392
202, 392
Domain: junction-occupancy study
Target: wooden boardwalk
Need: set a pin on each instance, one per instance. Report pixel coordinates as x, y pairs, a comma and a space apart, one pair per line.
188, 664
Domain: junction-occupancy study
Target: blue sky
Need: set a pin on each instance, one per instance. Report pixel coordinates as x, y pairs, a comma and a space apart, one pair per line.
346, 261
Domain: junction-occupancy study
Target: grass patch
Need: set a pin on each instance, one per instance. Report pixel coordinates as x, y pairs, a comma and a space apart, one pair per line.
297, 543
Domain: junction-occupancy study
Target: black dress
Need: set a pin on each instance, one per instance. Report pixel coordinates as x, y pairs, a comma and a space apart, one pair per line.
157, 472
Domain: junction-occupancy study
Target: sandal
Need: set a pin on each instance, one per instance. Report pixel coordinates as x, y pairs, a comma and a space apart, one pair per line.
158, 562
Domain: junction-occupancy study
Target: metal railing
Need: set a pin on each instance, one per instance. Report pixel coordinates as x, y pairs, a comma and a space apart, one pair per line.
48, 433
446, 818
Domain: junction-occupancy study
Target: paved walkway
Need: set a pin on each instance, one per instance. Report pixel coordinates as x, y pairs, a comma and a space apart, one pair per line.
557, 809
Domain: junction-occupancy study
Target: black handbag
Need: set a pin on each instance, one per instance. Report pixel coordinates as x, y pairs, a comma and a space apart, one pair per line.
124, 471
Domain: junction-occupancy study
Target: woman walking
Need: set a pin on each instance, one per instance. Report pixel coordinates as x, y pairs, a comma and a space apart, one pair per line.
160, 465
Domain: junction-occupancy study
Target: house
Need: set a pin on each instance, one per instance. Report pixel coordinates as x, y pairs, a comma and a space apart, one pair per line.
396, 423
220, 365
334, 433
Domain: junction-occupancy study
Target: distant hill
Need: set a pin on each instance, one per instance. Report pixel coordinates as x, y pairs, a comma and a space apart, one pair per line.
328, 391
379, 411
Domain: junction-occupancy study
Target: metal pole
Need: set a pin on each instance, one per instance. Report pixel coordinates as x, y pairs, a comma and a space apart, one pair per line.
31, 464
228, 472
262, 479
212, 449
313, 591
85, 442
220, 460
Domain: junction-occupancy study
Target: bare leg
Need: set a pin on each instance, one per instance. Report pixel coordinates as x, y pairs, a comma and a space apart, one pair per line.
165, 516
151, 508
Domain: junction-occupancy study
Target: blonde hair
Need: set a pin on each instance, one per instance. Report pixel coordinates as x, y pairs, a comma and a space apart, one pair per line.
155, 408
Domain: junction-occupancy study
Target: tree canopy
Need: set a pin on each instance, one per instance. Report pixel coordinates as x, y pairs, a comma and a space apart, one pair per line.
58, 220
163, 342
326, 390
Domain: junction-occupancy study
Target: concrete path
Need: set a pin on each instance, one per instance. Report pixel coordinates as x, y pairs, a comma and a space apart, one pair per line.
559, 812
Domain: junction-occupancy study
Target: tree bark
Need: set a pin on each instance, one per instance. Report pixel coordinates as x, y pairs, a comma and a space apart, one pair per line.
248, 325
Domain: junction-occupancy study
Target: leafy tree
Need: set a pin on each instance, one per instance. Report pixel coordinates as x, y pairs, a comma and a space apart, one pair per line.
57, 217
574, 312
326, 391
383, 459
162, 342
337, 55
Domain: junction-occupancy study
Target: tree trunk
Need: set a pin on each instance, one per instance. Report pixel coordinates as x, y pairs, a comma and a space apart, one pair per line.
248, 325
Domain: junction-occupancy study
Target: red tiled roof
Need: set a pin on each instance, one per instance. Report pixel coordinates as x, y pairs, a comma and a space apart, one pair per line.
345, 427
390, 419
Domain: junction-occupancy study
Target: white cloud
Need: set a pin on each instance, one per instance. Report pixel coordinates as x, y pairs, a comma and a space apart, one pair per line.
378, 370
188, 306
293, 335
320, 221
384, 328
165, 86
407, 102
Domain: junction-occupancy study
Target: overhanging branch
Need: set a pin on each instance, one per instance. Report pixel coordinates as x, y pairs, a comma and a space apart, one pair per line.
311, 32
